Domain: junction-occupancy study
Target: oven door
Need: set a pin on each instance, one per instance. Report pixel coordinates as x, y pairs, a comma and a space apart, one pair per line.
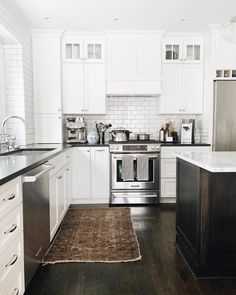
151, 184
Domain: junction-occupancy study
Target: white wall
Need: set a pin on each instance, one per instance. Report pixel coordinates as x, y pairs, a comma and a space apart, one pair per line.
19, 93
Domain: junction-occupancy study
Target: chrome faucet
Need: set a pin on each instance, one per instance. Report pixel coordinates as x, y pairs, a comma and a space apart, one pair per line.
3, 125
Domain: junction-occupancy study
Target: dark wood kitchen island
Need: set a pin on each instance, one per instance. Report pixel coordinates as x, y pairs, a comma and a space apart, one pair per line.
206, 212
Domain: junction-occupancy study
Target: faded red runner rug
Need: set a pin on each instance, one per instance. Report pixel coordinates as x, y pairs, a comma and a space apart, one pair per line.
95, 235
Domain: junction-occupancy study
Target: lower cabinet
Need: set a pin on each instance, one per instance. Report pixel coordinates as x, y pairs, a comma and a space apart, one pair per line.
90, 175
59, 196
12, 279
168, 170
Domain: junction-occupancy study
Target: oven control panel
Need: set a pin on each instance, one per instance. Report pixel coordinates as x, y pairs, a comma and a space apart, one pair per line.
129, 148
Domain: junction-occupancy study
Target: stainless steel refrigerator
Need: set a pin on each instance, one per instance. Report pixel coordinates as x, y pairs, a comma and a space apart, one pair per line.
224, 128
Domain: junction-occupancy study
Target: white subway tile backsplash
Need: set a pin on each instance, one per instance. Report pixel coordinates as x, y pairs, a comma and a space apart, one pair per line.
18, 74
138, 114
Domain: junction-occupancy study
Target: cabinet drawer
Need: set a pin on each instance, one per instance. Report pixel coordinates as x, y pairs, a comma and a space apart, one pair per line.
59, 162
15, 285
10, 227
168, 167
168, 187
10, 196
12, 264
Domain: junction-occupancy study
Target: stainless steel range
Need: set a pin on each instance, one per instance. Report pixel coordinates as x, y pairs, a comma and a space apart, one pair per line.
135, 172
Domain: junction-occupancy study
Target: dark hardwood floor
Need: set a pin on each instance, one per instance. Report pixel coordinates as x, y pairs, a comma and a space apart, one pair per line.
161, 270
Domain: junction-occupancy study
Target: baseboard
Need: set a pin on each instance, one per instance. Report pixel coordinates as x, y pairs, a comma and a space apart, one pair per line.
75, 201
167, 200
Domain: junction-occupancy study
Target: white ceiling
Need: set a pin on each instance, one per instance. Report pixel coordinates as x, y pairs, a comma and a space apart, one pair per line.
134, 14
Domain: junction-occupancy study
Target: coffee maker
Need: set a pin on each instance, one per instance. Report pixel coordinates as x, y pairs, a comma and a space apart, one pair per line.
75, 130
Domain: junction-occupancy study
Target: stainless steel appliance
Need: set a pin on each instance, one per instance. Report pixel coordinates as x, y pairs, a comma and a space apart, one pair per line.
36, 218
76, 130
135, 191
224, 131
120, 134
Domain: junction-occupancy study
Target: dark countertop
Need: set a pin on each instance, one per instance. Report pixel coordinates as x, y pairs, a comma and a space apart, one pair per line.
87, 144
166, 144
12, 166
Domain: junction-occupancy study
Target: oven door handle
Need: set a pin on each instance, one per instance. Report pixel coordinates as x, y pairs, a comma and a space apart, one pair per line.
135, 158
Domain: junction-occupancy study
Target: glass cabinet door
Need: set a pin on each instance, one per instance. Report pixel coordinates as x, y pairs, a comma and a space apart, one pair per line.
94, 51
193, 52
73, 51
172, 52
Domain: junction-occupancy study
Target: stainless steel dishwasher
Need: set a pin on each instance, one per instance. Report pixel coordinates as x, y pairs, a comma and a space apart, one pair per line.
36, 218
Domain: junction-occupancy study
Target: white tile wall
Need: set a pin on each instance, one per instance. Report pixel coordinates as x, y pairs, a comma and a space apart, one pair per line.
18, 73
138, 114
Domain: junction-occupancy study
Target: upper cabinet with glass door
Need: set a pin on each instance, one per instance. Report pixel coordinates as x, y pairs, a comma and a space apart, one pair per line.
84, 50
182, 50
94, 50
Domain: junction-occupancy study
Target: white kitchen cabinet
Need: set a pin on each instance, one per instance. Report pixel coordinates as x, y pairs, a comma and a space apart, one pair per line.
193, 84
95, 95
67, 172
134, 64
53, 208
90, 175
84, 88
48, 128
99, 173
47, 85
81, 172
47, 71
224, 52
59, 191
182, 89
84, 77
94, 50
168, 188
73, 88
168, 170
82, 48
182, 50
11, 238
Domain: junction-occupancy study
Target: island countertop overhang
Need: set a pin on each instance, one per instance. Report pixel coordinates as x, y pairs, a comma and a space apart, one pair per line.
216, 162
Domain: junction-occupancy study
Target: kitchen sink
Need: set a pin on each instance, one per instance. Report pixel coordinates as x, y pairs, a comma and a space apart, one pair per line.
26, 152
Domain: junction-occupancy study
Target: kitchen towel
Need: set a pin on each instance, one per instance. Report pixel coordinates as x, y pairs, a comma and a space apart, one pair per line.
128, 168
142, 167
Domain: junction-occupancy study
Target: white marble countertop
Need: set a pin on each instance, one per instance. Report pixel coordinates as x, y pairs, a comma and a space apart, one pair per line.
211, 161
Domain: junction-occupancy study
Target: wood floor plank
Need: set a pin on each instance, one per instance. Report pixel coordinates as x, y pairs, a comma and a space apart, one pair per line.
161, 271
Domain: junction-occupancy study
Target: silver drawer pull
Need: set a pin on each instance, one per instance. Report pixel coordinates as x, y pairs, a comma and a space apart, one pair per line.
11, 229
13, 261
100, 150
16, 291
11, 197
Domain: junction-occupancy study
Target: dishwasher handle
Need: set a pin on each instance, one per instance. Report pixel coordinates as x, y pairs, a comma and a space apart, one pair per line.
38, 172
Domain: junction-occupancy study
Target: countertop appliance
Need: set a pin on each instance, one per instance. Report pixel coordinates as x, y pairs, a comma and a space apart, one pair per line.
36, 218
134, 190
224, 127
187, 131
75, 130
